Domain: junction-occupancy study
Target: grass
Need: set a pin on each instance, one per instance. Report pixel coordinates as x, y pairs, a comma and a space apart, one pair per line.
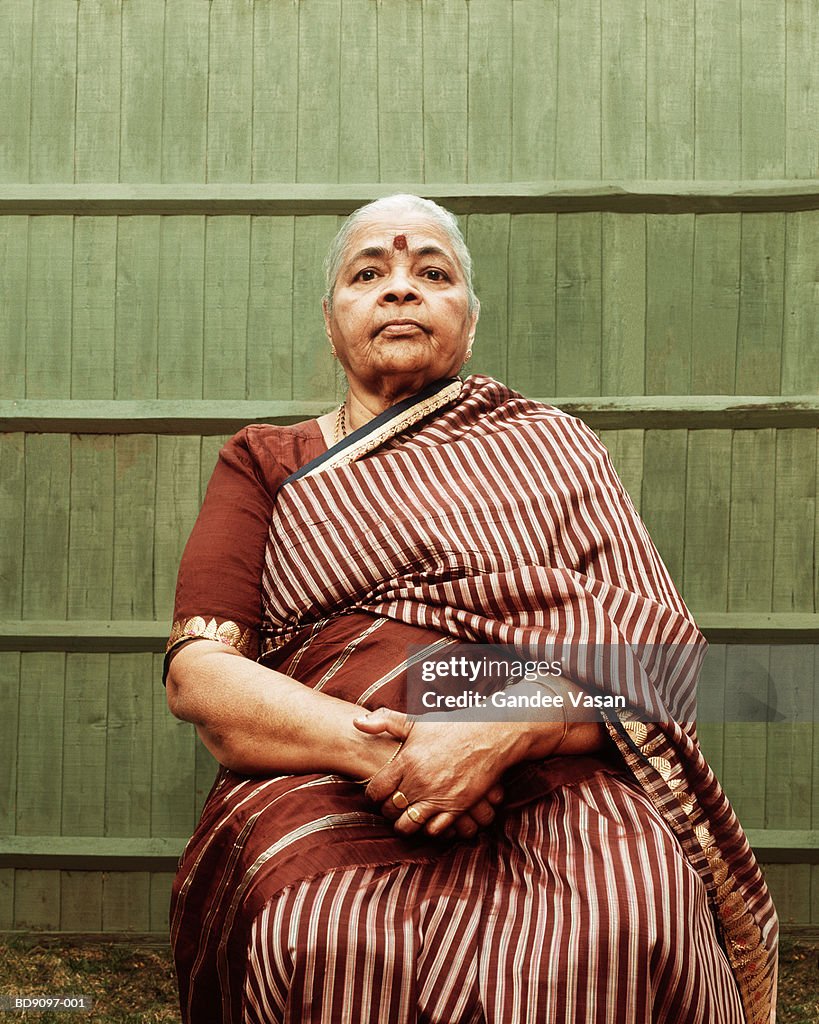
136, 985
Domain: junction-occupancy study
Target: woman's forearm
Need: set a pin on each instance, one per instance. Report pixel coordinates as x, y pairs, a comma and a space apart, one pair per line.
257, 721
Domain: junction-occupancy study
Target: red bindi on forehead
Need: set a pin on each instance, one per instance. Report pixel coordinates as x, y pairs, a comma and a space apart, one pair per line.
399, 242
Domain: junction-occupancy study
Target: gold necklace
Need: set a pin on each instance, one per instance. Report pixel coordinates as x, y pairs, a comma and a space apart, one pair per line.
341, 423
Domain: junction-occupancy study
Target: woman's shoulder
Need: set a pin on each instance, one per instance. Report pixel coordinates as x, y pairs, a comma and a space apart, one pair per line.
271, 452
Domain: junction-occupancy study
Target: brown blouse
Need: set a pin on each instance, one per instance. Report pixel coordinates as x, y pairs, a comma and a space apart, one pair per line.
218, 587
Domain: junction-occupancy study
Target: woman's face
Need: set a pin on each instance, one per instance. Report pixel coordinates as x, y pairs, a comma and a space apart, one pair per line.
399, 318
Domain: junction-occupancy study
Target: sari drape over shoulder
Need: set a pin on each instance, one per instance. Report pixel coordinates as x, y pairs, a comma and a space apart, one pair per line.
471, 515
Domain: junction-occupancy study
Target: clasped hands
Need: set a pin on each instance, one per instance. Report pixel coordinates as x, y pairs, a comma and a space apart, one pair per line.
445, 777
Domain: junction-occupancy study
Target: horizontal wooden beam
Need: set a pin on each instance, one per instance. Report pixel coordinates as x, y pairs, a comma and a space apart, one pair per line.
93, 853
198, 417
288, 199
126, 636
64, 416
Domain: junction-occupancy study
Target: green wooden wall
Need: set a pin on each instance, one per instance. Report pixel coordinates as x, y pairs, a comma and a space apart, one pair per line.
639, 186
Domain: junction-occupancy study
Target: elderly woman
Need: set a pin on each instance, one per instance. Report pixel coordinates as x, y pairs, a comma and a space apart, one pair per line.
356, 863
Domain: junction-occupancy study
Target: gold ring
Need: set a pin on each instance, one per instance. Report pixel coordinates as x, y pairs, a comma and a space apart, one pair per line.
400, 800
415, 816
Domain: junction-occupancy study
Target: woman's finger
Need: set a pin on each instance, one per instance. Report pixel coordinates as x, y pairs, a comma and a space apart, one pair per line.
482, 813
395, 723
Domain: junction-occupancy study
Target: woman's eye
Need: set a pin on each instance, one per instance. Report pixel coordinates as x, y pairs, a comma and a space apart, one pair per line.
368, 274
433, 274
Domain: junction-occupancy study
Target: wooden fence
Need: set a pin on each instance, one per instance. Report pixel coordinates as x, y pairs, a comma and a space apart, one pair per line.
639, 190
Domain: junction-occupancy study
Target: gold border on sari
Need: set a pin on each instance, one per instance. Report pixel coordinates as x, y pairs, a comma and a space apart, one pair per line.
744, 942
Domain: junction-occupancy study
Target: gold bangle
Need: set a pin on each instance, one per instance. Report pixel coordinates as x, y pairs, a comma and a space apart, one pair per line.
562, 739
387, 763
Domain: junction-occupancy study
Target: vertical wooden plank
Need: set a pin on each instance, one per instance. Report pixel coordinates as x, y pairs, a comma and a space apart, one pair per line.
275, 91
227, 273
750, 550
800, 353
185, 91
577, 136
126, 901
15, 87
716, 304
85, 718
13, 301
489, 156
623, 304
230, 91
761, 289
802, 96
91, 527
313, 373
135, 461
128, 779
794, 545
270, 308
143, 47
579, 313
707, 504
12, 516
99, 54
160, 900
532, 343
400, 92
446, 89
45, 560
711, 707
9, 730
318, 78
39, 779
181, 303
136, 311
670, 91
48, 308
623, 98
53, 88
177, 505
358, 143
85, 724
626, 450
789, 778
745, 751
718, 91
534, 89
81, 901
665, 455
488, 239
93, 307
669, 290
173, 762
763, 90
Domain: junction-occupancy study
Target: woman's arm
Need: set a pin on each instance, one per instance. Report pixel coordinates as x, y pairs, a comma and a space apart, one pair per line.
260, 722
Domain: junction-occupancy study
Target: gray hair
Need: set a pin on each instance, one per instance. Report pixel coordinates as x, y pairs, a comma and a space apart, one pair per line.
399, 203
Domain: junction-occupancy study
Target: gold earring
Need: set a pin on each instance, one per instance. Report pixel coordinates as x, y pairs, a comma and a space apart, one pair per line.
468, 355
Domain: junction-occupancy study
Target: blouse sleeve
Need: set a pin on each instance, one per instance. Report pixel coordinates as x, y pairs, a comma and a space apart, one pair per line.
218, 587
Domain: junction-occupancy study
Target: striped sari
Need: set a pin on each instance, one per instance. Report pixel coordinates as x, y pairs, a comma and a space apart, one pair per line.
611, 888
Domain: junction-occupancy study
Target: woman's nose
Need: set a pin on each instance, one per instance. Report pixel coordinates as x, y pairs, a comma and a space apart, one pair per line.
398, 287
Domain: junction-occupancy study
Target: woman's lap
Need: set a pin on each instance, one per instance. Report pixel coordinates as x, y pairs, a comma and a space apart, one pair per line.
580, 907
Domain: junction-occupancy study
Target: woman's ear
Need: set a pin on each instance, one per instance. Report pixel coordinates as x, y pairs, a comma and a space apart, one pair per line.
473, 323
325, 308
